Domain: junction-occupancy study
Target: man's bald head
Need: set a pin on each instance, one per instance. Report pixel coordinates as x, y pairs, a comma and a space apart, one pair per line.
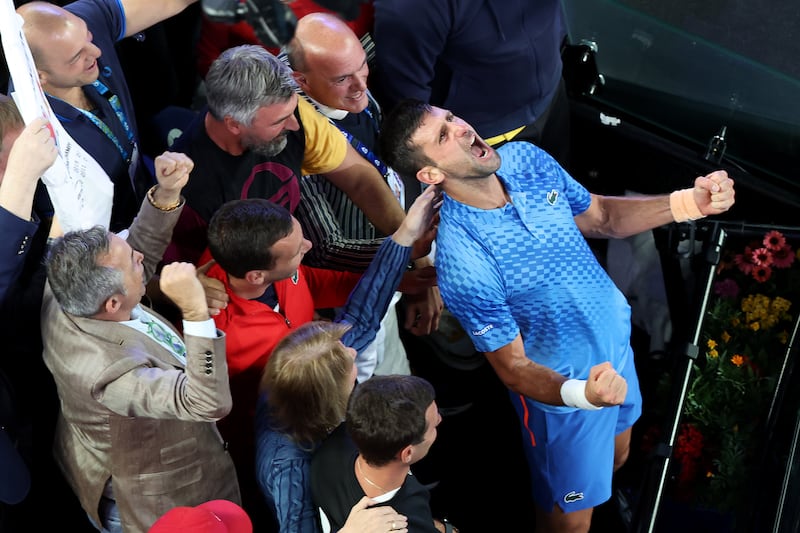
329, 62
318, 37
40, 20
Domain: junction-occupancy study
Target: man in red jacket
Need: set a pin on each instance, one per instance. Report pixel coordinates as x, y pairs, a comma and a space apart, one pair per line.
258, 247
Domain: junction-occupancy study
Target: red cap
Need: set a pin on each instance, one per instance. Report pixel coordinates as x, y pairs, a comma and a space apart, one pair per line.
215, 516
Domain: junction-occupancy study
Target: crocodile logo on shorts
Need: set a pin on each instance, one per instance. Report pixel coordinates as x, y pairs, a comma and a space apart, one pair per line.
572, 497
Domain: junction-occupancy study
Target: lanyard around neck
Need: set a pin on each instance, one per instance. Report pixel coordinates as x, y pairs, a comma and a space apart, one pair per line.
391, 177
113, 100
362, 149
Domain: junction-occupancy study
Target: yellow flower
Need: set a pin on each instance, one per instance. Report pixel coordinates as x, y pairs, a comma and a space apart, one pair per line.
756, 308
712, 343
712, 353
754, 326
780, 305
725, 337
737, 360
783, 336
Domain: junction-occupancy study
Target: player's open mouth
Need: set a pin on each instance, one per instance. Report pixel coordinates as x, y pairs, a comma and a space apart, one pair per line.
479, 148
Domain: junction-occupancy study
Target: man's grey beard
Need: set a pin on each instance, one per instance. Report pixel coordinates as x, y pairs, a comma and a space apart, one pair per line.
269, 148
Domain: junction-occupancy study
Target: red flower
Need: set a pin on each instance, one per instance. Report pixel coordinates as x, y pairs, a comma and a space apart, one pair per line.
774, 240
783, 257
762, 257
761, 273
744, 261
690, 442
688, 451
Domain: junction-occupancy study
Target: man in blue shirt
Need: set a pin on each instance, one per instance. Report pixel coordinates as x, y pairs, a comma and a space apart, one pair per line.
78, 68
514, 267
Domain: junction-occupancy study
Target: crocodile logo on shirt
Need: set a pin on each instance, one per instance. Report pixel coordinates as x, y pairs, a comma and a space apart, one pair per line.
295, 277
572, 497
552, 197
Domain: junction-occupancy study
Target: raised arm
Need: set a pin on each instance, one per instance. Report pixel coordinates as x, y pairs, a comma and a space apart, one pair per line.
31, 155
619, 217
370, 298
141, 14
149, 237
179, 283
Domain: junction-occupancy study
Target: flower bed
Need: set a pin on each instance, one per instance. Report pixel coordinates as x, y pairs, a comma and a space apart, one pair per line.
743, 346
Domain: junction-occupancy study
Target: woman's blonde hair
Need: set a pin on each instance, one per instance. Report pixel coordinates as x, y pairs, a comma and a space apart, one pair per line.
308, 380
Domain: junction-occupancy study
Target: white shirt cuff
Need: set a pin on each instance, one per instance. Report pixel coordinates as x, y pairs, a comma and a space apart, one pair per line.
206, 328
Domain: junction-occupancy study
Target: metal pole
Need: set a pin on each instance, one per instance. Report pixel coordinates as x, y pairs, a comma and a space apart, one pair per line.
655, 482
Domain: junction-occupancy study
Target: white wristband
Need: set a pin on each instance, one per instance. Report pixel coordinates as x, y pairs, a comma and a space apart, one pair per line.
573, 394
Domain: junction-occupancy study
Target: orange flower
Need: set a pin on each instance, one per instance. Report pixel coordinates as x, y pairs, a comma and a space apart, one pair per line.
725, 337
737, 360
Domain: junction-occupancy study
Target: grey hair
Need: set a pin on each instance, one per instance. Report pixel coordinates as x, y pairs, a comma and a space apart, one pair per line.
245, 78
80, 285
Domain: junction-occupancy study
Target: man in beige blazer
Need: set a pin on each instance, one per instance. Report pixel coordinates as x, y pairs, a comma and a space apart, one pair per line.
136, 434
